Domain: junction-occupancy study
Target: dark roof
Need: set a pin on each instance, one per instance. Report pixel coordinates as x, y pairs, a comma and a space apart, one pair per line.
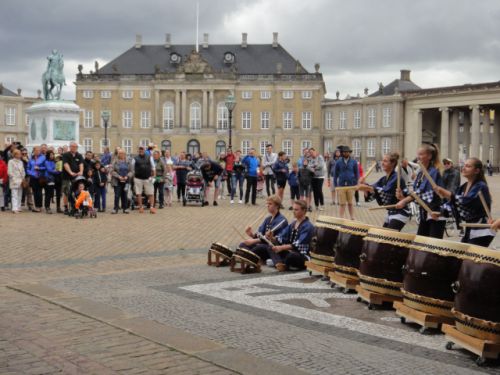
401, 85
254, 59
4, 91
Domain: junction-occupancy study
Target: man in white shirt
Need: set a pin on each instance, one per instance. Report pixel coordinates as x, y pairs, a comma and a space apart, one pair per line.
268, 160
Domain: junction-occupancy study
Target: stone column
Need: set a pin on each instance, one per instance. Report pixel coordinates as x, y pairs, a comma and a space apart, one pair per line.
184, 117
486, 141
211, 112
177, 120
413, 129
156, 112
454, 137
445, 132
475, 132
204, 108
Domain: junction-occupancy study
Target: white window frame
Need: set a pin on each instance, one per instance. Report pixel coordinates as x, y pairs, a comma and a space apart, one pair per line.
357, 119
246, 145
127, 94
145, 119
306, 143
307, 120
102, 121
88, 119
103, 143
307, 94
372, 118
222, 116
371, 146
287, 120
356, 147
328, 120
106, 94
87, 94
144, 142
10, 116
145, 94
262, 146
127, 119
287, 94
127, 145
343, 120
9, 139
168, 115
386, 145
246, 94
287, 146
265, 94
387, 117
195, 116
88, 144
246, 120
265, 120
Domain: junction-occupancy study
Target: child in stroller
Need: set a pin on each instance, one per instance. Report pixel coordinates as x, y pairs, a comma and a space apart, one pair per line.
80, 199
195, 188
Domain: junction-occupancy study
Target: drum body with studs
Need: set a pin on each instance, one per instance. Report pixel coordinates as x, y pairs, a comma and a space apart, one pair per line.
247, 256
431, 268
477, 299
382, 259
349, 246
222, 250
324, 240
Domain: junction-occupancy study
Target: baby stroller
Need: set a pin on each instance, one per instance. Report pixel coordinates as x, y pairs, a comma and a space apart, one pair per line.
195, 188
81, 204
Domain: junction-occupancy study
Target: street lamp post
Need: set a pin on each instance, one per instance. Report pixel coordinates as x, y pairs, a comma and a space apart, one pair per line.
230, 104
105, 118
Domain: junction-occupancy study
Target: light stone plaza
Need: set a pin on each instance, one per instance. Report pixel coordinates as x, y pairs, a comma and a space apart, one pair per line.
219, 204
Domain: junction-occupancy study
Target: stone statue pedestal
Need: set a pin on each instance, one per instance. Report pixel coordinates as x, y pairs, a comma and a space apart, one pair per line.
55, 123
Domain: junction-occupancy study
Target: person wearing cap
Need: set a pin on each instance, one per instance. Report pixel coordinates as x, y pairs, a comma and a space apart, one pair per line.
345, 173
268, 160
451, 176
144, 173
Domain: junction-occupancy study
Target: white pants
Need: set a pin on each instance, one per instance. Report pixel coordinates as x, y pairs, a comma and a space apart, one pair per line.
16, 196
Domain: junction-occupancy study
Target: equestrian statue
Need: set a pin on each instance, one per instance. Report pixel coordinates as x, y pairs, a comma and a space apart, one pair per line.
53, 78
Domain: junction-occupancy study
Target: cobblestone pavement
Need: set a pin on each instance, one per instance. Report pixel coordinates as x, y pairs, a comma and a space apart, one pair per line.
153, 267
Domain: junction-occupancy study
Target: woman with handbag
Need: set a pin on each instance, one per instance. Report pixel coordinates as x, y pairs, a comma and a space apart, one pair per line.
121, 177
16, 180
38, 180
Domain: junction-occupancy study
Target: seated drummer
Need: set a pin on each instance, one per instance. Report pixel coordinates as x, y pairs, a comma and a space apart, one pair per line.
292, 250
466, 202
384, 191
276, 223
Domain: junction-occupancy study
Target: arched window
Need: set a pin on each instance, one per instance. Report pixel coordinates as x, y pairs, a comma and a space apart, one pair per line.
166, 145
193, 146
168, 115
220, 146
195, 118
222, 116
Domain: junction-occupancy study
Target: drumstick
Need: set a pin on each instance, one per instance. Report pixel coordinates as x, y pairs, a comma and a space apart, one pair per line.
370, 170
398, 176
257, 220
472, 225
383, 207
237, 231
485, 206
353, 187
427, 175
421, 203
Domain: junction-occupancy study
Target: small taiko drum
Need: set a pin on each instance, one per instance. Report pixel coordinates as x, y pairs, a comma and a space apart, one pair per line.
349, 246
246, 256
324, 240
219, 255
382, 258
222, 250
431, 268
477, 299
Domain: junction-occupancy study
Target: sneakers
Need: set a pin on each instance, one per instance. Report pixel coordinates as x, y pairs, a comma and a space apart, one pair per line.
240, 201
215, 203
269, 263
219, 197
357, 204
321, 208
232, 202
124, 211
48, 211
114, 212
281, 267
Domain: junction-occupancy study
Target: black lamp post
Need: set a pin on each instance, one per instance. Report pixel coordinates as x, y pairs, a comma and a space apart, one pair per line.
230, 104
105, 118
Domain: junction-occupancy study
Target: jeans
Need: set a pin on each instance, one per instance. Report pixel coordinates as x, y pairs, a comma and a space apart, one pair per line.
229, 182
159, 187
270, 181
120, 193
37, 191
251, 185
292, 259
235, 180
181, 191
100, 197
49, 193
294, 193
317, 187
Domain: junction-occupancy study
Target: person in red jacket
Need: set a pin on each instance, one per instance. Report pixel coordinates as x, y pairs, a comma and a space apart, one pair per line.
229, 160
4, 177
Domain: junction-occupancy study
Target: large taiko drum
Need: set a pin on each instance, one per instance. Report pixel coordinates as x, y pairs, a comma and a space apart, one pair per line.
349, 246
324, 240
383, 256
477, 299
430, 270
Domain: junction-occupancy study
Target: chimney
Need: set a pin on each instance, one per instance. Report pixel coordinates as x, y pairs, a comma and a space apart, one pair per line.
205, 40
244, 40
279, 68
138, 41
275, 40
167, 41
405, 75
19, 92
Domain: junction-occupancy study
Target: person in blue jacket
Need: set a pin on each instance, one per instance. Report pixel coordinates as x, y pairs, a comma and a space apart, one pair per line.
38, 178
294, 242
345, 173
281, 171
251, 164
51, 174
293, 182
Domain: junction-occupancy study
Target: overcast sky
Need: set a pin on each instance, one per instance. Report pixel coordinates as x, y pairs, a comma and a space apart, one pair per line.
357, 43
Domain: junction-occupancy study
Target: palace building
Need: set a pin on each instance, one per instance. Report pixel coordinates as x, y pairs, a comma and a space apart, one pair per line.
174, 96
